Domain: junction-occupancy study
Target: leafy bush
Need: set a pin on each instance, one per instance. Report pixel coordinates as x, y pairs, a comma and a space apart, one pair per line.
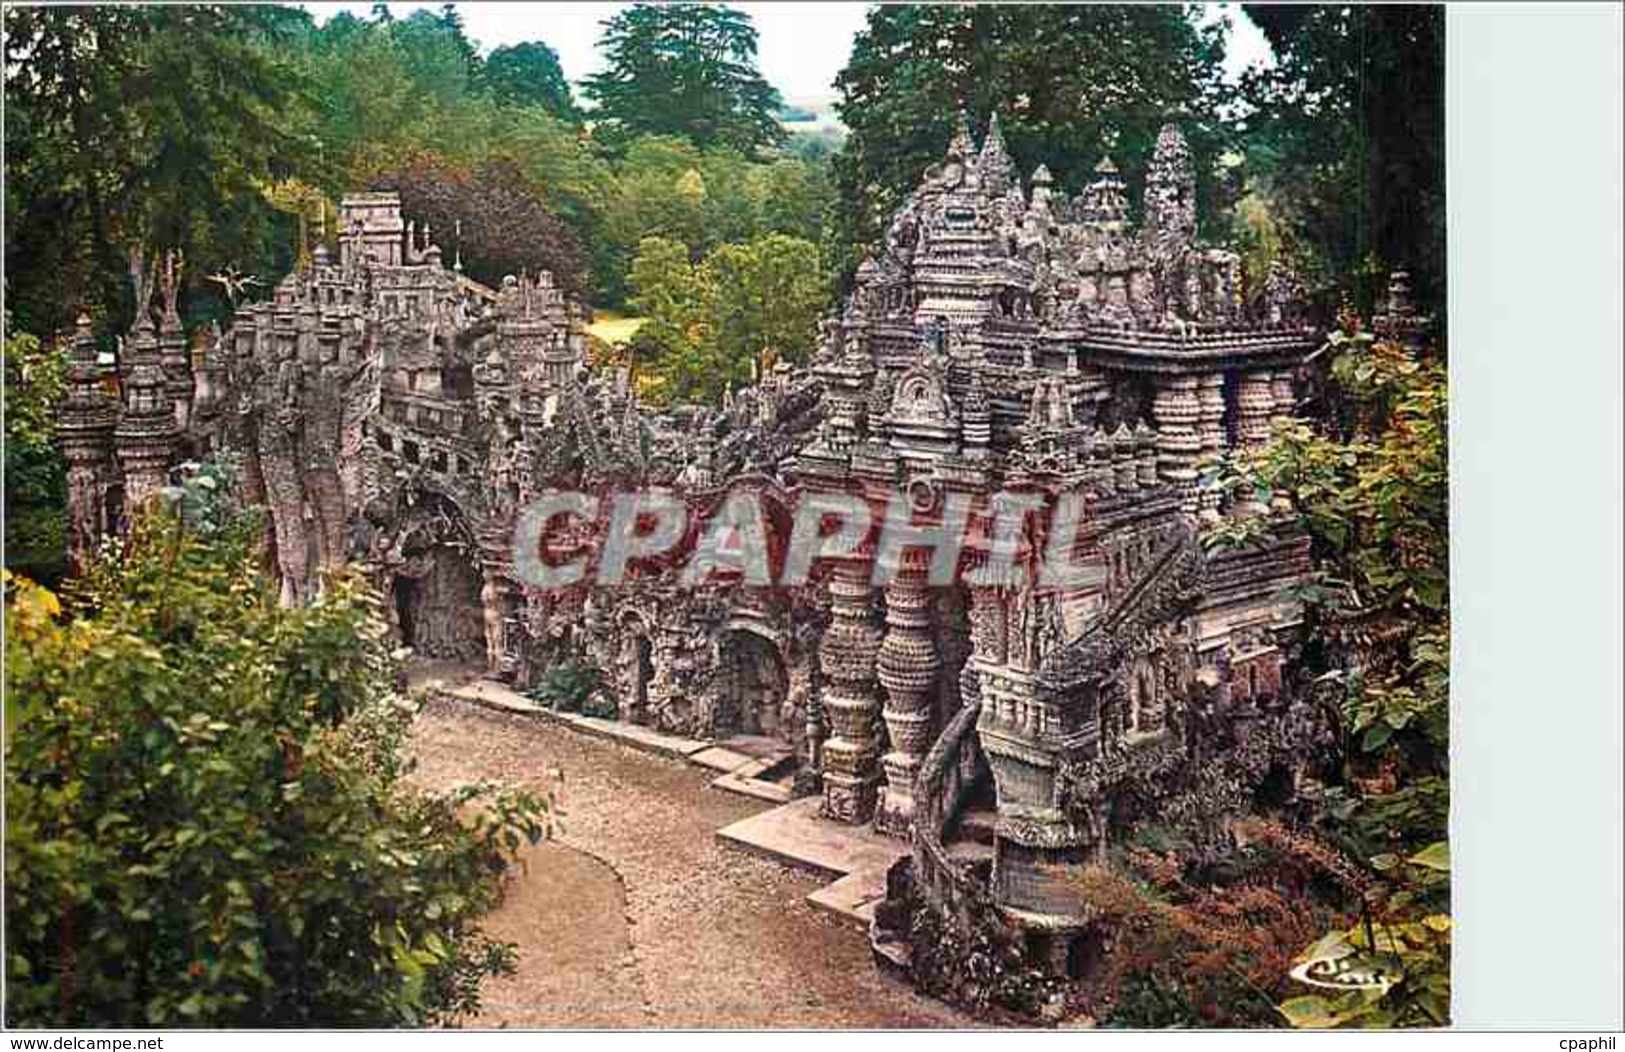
573, 686
1370, 489
207, 822
36, 473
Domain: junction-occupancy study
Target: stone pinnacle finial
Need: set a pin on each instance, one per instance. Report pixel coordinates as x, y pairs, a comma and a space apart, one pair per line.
994, 164
962, 145
141, 279
995, 136
169, 281
1041, 176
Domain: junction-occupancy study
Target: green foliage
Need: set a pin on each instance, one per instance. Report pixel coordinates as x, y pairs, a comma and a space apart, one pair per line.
138, 123
349, 104
687, 70
529, 74
207, 822
36, 473
1411, 943
1068, 83
1371, 491
717, 324
574, 686
1345, 138
498, 219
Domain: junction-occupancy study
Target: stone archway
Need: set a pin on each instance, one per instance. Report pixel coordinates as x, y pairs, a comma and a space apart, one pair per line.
436, 584
636, 670
753, 686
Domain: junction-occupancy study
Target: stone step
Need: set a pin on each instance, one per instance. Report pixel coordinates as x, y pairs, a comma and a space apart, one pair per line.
853, 898
856, 857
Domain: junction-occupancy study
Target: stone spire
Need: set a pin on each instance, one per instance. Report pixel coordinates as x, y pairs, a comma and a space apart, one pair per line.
962, 145
1170, 195
1042, 182
173, 354
1103, 205
146, 434
85, 427
1398, 319
994, 166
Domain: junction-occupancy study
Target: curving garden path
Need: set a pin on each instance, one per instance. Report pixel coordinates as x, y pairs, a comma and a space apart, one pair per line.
634, 915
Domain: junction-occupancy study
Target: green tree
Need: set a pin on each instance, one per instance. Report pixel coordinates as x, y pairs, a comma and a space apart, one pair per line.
1346, 138
506, 225
686, 70
678, 337
207, 817
529, 74
36, 474
714, 325
1370, 488
129, 124
768, 297
1069, 83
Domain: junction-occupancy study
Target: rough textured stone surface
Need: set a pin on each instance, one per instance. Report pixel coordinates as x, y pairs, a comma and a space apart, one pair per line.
1004, 339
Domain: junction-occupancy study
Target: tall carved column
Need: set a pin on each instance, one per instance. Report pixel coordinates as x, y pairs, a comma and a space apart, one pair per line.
851, 700
810, 773
1176, 411
174, 354
1255, 403
1284, 404
1210, 433
86, 431
909, 664
146, 433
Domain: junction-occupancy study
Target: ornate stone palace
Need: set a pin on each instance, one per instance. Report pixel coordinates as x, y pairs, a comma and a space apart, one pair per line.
1006, 338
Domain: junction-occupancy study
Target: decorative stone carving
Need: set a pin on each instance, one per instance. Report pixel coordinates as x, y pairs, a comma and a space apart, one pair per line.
909, 664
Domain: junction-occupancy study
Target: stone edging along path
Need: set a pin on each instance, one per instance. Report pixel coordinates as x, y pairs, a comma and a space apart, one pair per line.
738, 771
854, 858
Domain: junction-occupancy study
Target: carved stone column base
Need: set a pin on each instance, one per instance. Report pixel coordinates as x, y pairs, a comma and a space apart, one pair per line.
849, 797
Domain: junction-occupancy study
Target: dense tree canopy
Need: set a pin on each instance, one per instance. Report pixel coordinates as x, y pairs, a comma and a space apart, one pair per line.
717, 324
1346, 141
529, 74
490, 215
36, 474
350, 104
1069, 83
127, 124
687, 70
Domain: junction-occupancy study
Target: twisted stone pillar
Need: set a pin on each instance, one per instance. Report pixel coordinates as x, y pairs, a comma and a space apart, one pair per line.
1176, 411
1210, 433
909, 664
851, 700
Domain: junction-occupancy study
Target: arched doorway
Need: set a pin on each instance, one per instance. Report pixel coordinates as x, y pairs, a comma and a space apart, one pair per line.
436, 585
754, 685
640, 670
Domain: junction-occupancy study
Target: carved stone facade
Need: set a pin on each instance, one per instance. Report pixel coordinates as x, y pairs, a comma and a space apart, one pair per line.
1003, 340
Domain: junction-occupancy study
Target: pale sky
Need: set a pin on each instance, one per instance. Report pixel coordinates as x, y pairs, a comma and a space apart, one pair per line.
802, 45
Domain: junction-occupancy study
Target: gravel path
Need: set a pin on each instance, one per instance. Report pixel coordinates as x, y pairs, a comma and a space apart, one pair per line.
634, 916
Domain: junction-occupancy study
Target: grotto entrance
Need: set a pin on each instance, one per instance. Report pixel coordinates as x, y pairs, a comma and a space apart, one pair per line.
754, 685
436, 586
